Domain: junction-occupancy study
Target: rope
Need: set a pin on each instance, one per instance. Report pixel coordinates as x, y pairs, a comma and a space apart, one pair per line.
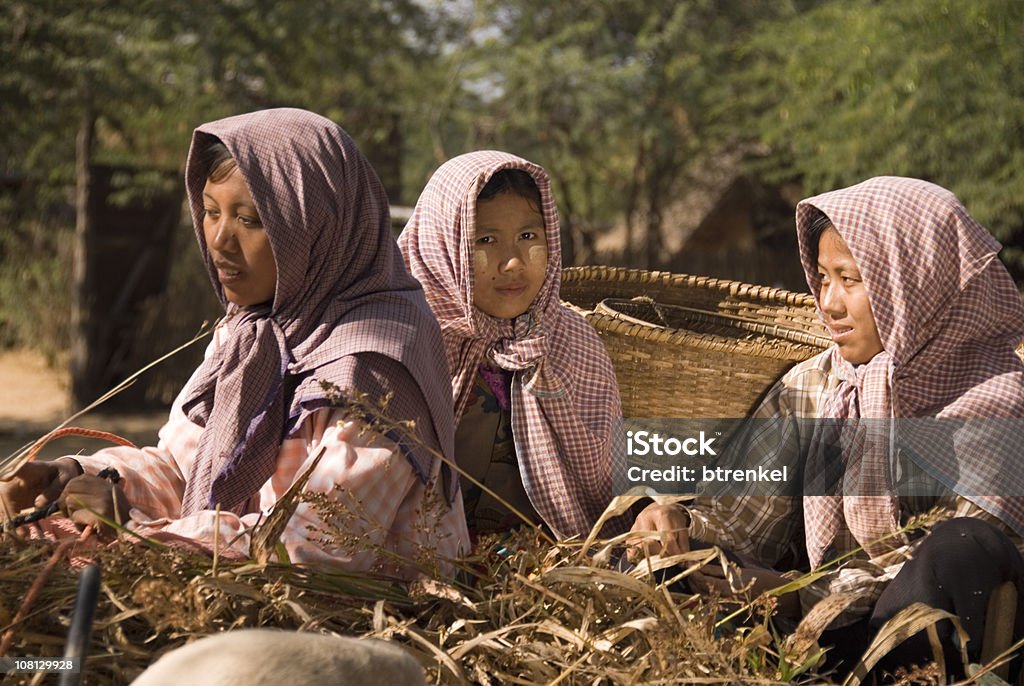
76, 431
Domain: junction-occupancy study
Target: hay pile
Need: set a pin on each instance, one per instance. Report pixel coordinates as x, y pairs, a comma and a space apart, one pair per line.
529, 614
524, 610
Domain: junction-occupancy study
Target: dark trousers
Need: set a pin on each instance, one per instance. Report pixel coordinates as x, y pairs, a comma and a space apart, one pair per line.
955, 568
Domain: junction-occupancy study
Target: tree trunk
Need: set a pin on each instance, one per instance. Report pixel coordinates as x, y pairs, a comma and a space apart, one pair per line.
83, 320
568, 237
654, 255
629, 256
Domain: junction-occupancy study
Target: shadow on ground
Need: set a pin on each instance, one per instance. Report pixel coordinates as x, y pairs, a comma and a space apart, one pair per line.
34, 400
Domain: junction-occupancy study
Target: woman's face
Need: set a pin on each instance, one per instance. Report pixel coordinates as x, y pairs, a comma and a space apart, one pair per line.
237, 242
844, 301
510, 255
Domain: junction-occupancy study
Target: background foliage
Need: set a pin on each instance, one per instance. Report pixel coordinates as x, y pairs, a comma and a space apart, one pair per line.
625, 103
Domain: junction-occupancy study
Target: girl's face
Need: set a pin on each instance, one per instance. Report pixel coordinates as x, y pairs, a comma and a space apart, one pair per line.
510, 255
237, 242
844, 301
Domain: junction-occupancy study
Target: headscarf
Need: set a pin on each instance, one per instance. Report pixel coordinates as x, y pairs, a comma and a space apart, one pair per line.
561, 418
342, 291
949, 317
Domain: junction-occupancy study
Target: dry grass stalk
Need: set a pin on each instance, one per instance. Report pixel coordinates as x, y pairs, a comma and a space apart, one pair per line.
907, 622
11, 463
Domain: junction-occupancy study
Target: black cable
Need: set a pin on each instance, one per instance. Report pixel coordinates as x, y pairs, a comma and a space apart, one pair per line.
80, 634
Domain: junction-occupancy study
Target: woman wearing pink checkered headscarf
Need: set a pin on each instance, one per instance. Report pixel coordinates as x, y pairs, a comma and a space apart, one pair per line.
535, 393
948, 317
922, 394
293, 225
941, 378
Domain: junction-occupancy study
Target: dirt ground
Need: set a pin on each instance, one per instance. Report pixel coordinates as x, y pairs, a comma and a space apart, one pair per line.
34, 400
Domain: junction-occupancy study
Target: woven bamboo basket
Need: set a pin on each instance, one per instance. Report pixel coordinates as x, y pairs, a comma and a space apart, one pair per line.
693, 347
584, 287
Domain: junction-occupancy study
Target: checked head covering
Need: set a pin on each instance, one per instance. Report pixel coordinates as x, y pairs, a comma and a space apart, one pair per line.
341, 291
949, 317
564, 394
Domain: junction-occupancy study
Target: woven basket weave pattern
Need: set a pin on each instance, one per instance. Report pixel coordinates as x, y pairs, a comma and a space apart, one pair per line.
713, 356
698, 347
586, 286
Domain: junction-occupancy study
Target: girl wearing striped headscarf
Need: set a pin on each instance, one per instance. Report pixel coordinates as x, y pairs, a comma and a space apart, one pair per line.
534, 391
927, 390
293, 225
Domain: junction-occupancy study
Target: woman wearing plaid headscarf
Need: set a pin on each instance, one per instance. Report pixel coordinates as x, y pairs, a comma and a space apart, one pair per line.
534, 390
928, 393
324, 327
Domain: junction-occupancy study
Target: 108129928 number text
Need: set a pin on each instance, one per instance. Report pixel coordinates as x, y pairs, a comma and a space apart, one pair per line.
30, 665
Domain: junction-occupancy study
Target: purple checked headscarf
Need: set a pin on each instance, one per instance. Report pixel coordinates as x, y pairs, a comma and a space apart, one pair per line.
562, 434
345, 309
949, 316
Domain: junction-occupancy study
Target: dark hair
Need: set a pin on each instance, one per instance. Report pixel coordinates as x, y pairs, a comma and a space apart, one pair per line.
819, 224
218, 162
514, 181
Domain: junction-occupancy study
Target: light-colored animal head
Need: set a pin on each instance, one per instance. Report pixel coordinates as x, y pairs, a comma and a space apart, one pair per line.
265, 657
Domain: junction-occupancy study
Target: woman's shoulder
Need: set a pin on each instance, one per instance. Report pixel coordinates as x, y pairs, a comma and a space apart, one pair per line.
800, 391
812, 372
372, 375
575, 337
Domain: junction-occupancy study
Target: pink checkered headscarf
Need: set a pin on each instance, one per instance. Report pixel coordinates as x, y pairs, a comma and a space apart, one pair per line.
345, 309
949, 317
561, 425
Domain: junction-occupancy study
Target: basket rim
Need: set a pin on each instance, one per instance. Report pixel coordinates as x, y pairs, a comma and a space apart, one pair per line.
739, 289
736, 289
608, 306
709, 342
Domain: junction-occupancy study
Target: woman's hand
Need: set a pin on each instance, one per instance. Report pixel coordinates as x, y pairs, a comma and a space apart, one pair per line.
89, 500
36, 484
671, 522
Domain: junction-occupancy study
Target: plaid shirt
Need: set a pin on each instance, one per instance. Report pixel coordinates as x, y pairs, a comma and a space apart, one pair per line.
771, 529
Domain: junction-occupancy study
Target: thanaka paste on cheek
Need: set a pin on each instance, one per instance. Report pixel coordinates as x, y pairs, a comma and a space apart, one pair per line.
480, 261
537, 253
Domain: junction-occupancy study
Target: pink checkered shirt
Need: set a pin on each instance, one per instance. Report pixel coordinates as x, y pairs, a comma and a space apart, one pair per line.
383, 507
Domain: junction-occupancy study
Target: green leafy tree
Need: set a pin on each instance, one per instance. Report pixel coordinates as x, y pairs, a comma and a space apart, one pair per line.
611, 98
118, 82
548, 80
848, 90
71, 67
